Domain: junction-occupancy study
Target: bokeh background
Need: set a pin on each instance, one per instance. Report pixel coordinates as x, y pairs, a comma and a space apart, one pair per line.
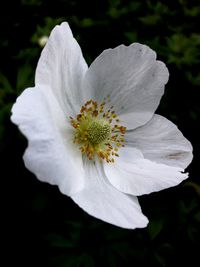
42, 226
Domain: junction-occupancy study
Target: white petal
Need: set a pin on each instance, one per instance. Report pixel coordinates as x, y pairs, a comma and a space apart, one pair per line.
103, 201
132, 78
62, 67
50, 155
161, 141
132, 174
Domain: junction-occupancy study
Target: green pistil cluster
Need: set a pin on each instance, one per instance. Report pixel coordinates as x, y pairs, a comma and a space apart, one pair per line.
98, 131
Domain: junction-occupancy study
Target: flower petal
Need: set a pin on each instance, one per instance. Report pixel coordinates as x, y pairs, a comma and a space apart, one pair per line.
49, 154
103, 201
161, 141
62, 67
132, 174
132, 78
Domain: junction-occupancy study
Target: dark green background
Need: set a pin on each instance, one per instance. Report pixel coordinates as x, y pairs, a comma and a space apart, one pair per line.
41, 226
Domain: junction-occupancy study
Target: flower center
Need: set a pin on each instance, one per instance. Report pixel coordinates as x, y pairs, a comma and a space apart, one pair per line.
98, 132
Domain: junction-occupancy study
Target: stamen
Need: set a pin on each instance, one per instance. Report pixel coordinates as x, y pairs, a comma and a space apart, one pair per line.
98, 132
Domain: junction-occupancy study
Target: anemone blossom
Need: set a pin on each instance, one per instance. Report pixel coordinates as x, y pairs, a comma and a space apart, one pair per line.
93, 132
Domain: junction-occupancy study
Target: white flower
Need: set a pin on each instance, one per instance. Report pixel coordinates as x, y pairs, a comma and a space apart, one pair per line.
43, 40
93, 132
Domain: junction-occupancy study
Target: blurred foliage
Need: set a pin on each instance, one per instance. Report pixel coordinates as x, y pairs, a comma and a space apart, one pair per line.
45, 228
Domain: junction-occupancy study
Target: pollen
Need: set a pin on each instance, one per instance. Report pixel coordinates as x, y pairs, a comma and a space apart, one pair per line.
97, 131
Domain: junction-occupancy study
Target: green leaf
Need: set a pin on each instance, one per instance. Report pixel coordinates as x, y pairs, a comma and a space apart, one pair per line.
155, 227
